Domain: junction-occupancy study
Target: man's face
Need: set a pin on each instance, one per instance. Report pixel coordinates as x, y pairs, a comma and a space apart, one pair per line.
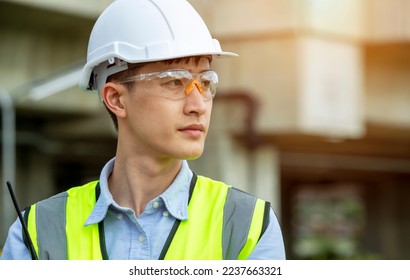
164, 127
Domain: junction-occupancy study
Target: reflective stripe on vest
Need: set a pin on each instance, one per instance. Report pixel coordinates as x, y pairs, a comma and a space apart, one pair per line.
224, 223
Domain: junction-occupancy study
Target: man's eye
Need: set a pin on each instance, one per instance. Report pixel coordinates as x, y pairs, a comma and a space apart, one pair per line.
175, 82
206, 83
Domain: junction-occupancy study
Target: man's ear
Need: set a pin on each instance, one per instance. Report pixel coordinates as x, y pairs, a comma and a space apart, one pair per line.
112, 95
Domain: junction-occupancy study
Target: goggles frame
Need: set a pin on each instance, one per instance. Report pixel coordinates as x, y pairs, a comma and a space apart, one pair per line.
180, 81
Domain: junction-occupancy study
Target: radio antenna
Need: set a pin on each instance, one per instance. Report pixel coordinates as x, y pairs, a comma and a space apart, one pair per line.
23, 224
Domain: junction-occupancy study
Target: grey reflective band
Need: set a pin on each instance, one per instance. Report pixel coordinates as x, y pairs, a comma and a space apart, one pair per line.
238, 213
51, 219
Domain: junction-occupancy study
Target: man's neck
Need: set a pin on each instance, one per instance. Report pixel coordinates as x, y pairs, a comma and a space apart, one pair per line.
134, 182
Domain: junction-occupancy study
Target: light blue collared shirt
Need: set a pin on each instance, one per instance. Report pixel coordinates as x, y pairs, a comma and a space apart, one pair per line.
131, 238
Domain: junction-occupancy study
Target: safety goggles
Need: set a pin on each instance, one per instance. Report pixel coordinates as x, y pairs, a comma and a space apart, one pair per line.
178, 83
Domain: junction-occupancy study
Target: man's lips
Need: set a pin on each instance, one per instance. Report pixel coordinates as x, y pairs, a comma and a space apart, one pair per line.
194, 130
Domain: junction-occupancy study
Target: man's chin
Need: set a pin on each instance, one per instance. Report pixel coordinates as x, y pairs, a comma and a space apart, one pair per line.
193, 156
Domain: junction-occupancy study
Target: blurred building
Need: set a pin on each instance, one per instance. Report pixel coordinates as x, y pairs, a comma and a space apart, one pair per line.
313, 116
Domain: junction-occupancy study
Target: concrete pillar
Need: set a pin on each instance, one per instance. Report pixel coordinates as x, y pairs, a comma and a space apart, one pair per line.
267, 176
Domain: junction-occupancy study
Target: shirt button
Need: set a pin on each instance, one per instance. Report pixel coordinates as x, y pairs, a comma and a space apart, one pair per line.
165, 213
141, 239
155, 205
120, 216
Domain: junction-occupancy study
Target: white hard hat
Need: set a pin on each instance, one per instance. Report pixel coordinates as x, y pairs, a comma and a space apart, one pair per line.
134, 31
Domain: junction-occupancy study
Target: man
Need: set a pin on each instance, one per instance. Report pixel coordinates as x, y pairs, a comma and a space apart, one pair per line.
150, 61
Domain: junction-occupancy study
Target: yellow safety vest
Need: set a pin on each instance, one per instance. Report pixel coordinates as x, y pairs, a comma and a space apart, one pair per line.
224, 223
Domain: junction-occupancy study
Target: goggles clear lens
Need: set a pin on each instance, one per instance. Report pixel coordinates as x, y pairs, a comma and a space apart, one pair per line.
178, 83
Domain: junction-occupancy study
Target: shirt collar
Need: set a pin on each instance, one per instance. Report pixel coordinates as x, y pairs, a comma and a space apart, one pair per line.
175, 197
